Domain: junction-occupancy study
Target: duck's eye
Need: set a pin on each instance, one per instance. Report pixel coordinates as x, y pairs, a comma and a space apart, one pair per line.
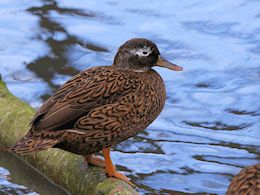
145, 52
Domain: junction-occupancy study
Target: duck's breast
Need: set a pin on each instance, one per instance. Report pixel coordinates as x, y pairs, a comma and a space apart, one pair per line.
155, 95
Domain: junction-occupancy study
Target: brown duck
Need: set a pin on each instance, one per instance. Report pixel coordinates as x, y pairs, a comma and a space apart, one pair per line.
246, 182
102, 106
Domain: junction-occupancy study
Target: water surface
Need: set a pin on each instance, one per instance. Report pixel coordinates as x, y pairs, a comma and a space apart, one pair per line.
209, 128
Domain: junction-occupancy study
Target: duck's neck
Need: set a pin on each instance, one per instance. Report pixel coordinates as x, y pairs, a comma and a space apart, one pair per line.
125, 63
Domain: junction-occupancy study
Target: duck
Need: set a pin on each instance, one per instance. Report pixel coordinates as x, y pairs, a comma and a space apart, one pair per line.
102, 106
246, 182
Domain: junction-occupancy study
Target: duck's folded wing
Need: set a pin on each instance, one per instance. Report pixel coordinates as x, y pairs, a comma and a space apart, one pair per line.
114, 122
86, 91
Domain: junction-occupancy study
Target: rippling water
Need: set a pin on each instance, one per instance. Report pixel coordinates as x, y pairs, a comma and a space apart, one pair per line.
210, 126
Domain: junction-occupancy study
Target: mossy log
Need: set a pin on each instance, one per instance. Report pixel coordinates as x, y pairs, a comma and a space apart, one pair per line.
64, 168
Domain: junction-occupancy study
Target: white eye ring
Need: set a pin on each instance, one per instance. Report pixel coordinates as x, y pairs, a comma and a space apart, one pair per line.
142, 52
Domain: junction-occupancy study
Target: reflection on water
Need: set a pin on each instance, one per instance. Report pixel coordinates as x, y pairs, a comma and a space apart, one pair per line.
209, 128
13, 170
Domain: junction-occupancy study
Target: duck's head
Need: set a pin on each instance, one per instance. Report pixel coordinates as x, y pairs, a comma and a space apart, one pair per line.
141, 55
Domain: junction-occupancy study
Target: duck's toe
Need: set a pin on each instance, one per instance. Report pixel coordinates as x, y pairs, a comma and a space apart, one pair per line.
94, 160
121, 177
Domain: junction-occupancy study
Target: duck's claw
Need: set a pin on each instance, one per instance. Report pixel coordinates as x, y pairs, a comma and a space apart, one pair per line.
122, 177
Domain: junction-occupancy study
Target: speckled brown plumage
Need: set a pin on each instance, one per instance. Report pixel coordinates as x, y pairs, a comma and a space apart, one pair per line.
246, 182
99, 108
102, 106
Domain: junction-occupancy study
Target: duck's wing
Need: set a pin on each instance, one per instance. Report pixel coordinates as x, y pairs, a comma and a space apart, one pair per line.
114, 122
86, 91
66, 88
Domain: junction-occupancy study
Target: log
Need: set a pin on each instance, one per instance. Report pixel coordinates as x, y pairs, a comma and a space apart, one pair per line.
63, 168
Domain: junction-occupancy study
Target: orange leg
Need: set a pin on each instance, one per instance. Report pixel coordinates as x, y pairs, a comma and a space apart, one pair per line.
111, 169
94, 160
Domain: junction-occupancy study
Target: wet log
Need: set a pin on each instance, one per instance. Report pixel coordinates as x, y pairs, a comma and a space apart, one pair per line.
63, 168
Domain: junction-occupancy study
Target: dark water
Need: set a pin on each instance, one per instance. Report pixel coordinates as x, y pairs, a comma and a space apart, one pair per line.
14, 172
210, 126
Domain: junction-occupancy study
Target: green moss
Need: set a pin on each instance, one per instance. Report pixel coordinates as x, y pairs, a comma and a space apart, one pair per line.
64, 168
15, 116
113, 186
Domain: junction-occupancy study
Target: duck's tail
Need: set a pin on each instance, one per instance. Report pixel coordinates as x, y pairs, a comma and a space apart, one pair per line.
34, 142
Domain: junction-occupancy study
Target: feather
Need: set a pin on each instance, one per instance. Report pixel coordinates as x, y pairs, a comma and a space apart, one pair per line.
33, 142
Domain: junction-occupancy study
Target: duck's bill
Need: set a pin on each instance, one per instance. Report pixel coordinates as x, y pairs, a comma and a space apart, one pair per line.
162, 62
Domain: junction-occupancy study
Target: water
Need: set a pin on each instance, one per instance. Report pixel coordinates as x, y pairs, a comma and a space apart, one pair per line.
209, 128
